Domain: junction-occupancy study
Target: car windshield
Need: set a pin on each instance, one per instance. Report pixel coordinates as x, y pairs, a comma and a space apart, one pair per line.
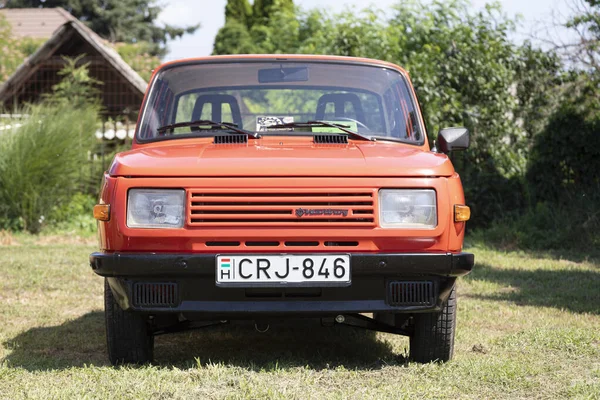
371, 100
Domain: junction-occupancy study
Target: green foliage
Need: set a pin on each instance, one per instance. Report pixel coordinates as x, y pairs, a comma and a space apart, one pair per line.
27, 46
548, 225
264, 10
76, 88
252, 30
11, 56
463, 67
78, 204
139, 57
40, 162
74, 216
539, 89
129, 21
13, 50
238, 10
565, 160
234, 38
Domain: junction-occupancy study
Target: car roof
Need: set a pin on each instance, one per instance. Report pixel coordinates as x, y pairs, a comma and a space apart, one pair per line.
282, 57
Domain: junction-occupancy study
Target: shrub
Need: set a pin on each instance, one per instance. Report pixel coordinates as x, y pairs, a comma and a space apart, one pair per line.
548, 226
41, 162
72, 218
565, 159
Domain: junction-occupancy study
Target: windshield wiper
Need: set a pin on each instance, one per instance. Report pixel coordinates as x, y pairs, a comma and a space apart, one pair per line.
323, 124
230, 126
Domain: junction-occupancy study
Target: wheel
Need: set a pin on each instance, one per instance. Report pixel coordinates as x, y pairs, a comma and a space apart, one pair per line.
128, 338
433, 335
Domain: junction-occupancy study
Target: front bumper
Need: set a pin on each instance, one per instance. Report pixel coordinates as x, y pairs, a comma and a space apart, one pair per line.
193, 276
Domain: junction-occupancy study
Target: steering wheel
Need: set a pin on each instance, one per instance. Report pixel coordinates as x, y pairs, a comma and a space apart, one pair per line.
358, 123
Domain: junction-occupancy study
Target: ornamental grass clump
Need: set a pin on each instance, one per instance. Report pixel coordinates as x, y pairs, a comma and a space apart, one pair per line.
41, 162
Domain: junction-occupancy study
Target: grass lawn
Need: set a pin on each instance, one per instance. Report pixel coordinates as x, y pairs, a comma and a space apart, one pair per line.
528, 327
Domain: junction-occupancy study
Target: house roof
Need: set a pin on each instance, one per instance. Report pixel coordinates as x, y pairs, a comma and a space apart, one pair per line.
110, 54
63, 35
39, 23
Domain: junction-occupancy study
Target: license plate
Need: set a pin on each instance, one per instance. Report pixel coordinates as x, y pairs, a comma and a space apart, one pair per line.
283, 270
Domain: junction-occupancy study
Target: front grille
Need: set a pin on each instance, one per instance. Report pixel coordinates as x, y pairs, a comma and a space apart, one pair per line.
155, 294
271, 207
417, 293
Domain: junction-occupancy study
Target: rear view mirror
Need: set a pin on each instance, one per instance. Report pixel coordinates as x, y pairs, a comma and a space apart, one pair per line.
451, 139
272, 75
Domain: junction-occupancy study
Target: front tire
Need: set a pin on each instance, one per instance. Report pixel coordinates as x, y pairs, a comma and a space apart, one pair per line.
433, 335
128, 338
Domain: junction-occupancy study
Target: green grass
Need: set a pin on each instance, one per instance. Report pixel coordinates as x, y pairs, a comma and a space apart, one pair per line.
528, 327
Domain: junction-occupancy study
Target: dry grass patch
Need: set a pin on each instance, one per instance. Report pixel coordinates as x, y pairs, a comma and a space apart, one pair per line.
7, 239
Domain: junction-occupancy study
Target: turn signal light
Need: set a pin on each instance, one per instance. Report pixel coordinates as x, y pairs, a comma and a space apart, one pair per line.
461, 213
102, 212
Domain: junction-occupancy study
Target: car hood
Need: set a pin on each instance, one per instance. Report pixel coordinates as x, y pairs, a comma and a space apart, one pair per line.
280, 159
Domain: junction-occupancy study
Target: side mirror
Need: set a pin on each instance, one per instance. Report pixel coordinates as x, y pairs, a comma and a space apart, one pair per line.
451, 139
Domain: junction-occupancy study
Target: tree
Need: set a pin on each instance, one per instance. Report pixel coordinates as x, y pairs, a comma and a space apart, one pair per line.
128, 21
76, 88
263, 10
585, 50
249, 29
234, 38
14, 50
238, 11
564, 161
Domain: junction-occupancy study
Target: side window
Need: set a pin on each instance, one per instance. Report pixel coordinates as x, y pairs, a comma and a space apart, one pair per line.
159, 106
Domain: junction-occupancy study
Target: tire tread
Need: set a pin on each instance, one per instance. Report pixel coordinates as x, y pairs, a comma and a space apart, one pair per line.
433, 337
127, 335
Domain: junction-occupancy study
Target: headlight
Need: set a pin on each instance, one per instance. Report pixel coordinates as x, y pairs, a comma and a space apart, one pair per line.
155, 208
406, 208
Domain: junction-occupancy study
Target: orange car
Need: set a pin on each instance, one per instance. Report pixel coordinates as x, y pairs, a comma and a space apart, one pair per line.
265, 187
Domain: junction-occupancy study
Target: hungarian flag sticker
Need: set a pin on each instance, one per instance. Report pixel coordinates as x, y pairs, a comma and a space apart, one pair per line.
226, 268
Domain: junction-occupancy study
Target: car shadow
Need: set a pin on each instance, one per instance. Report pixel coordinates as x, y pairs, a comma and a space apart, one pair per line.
566, 289
74, 343
291, 344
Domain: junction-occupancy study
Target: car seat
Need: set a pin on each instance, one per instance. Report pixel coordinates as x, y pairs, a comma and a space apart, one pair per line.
216, 101
339, 101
